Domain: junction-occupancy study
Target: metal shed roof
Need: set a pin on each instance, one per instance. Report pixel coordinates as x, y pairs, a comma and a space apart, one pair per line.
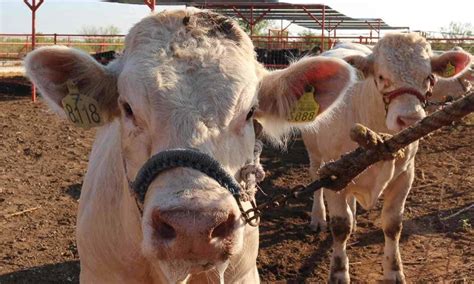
305, 15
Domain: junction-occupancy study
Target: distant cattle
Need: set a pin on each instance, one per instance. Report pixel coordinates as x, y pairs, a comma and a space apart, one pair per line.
398, 74
187, 79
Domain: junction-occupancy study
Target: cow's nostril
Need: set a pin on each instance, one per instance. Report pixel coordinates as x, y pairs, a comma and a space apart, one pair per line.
401, 122
225, 228
405, 121
163, 230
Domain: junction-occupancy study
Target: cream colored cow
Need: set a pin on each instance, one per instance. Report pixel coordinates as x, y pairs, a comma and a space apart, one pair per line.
398, 74
187, 79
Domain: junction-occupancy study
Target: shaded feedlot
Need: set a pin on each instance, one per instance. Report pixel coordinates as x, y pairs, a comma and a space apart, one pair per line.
43, 161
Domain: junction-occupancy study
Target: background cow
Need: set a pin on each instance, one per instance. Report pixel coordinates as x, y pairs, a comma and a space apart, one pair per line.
187, 79
398, 74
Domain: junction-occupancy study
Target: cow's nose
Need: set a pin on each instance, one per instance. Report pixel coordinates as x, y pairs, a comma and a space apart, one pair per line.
189, 225
405, 121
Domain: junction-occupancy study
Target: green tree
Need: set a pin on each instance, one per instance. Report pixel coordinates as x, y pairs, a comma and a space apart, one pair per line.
259, 29
311, 40
93, 30
454, 32
457, 30
99, 44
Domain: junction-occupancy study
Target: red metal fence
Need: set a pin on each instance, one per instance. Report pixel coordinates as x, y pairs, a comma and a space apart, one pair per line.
16, 46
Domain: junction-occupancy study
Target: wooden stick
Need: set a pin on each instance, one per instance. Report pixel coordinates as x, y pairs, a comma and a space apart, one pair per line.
458, 212
22, 212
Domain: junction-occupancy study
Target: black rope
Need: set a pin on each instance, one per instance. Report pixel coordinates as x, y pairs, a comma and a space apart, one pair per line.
182, 158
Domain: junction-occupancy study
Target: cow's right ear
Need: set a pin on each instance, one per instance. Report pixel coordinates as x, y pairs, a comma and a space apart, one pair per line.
285, 93
362, 63
52, 69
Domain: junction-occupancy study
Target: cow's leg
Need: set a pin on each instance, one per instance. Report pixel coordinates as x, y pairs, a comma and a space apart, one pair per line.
318, 212
393, 207
341, 217
351, 200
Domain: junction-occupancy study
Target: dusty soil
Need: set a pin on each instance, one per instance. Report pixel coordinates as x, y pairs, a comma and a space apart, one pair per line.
43, 160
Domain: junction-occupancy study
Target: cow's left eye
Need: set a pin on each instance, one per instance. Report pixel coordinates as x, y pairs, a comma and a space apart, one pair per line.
127, 109
250, 114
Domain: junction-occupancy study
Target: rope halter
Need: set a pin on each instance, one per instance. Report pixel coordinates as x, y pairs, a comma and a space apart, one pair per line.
190, 158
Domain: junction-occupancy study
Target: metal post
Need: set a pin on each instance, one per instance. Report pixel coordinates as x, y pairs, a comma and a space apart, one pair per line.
378, 29
151, 4
55, 38
251, 21
322, 28
33, 7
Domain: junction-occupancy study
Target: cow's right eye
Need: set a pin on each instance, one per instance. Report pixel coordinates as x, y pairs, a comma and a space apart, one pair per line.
127, 110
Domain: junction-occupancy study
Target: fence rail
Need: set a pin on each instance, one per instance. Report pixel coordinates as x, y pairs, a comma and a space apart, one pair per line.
16, 46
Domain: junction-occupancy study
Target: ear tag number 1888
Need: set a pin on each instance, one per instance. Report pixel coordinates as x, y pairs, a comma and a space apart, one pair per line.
306, 108
81, 110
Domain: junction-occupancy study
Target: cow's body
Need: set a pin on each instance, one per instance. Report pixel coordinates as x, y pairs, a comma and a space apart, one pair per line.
398, 62
187, 79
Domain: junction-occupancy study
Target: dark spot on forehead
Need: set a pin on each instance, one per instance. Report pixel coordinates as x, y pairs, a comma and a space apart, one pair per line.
216, 25
186, 20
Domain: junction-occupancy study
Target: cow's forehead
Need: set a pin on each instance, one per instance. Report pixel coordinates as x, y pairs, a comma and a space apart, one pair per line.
190, 72
190, 29
189, 44
406, 56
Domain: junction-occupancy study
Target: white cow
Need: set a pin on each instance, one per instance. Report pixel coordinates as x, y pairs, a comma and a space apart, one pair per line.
187, 79
397, 77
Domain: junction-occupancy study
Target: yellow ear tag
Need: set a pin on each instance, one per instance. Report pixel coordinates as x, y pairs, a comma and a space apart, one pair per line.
449, 71
81, 110
306, 108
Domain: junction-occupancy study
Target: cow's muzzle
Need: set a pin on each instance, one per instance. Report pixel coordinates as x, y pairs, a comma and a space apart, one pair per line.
190, 158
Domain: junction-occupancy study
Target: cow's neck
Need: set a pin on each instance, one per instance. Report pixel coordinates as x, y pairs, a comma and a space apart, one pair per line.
366, 105
109, 211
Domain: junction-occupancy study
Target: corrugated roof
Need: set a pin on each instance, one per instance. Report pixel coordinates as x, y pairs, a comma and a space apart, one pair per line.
305, 15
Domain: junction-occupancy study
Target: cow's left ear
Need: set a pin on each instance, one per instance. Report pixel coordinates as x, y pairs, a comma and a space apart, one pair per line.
282, 90
450, 64
55, 69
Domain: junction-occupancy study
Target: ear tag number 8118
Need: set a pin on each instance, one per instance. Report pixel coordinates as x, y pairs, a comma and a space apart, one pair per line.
306, 108
81, 110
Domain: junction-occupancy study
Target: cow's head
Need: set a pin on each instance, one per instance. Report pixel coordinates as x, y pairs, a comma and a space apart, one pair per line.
402, 67
188, 79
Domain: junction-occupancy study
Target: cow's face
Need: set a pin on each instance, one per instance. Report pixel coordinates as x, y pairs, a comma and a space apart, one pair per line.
402, 65
188, 79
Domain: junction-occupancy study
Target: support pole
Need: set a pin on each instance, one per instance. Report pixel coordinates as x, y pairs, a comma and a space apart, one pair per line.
151, 4
251, 21
322, 28
378, 29
33, 5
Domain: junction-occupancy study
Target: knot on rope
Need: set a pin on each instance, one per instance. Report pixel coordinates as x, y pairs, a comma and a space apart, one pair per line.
252, 173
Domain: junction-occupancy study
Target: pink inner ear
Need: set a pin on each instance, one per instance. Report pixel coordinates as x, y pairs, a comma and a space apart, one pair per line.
318, 76
57, 65
461, 60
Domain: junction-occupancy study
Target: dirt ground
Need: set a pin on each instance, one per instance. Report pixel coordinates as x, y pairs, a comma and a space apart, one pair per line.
43, 160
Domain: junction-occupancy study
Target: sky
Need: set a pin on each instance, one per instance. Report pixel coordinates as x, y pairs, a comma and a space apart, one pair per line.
70, 16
